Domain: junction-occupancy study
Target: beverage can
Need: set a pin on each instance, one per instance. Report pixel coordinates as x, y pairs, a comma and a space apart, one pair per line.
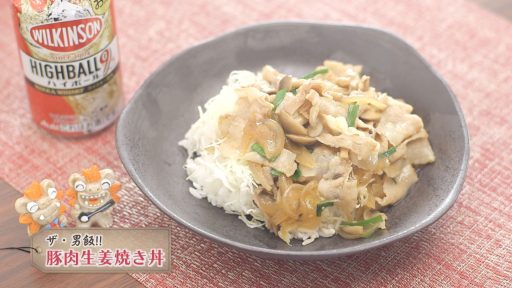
70, 58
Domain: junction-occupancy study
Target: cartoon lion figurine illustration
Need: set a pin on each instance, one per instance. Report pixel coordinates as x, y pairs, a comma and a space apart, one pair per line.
93, 193
41, 207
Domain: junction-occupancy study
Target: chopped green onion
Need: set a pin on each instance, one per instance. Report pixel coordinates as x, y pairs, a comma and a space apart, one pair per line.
296, 175
275, 172
388, 152
322, 205
279, 98
314, 73
258, 149
294, 91
373, 220
369, 232
353, 109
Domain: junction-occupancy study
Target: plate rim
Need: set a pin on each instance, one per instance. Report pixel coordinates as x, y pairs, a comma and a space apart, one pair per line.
448, 202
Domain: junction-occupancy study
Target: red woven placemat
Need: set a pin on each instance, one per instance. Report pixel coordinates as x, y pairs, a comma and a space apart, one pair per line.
472, 49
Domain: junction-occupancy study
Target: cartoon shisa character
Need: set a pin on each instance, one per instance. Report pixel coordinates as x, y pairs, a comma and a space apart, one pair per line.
94, 192
41, 207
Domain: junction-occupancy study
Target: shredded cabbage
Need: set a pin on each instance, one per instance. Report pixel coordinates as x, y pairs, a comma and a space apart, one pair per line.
223, 181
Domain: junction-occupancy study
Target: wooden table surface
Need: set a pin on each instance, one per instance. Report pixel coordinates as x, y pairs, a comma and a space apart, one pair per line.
17, 270
500, 7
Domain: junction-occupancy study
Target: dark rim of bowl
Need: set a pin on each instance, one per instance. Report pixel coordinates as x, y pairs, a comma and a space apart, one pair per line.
443, 208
